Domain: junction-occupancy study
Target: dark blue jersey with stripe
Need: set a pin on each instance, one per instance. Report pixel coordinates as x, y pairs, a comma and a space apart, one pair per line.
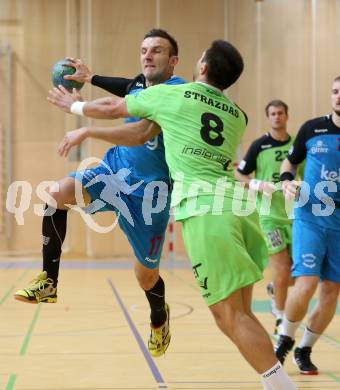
318, 142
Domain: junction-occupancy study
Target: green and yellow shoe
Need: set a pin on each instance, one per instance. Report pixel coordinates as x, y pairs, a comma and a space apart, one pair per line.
160, 337
41, 289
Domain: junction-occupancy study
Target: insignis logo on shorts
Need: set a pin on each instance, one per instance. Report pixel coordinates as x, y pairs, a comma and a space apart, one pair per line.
208, 155
330, 175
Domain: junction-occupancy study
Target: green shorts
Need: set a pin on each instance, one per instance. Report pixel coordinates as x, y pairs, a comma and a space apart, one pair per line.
278, 236
226, 253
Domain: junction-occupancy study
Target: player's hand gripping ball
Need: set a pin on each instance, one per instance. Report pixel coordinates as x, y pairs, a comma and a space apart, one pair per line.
59, 70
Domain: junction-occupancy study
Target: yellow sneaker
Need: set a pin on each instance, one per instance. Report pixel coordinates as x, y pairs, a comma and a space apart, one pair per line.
41, 289
160, 337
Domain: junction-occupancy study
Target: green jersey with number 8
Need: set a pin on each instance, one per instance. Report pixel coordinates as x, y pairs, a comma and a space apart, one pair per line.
202, 129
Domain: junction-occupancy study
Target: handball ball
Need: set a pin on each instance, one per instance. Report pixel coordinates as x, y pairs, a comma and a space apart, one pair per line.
59, 70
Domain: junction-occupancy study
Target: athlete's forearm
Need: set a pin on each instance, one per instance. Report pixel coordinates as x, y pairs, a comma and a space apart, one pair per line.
289, 186
267, 187
287, 166
104, 108
130, 134
242, 178
116, 85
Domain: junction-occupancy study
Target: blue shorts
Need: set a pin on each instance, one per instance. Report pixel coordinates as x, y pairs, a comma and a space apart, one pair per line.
316, 251
144, 220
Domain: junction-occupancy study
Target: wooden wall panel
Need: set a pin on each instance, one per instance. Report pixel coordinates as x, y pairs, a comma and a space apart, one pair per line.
241, 32
290, 52
37, 127
286, 37
194, 24
117, 30
274, 37
10, 11
327, 52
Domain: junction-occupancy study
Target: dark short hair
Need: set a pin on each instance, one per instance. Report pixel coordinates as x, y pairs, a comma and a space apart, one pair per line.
225, 64
158, 32
276, 103
336, 79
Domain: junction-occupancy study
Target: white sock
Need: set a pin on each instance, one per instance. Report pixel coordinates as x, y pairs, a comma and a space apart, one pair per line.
279, 314
289, 328
309, 338
265, 385
277, 379
274, 309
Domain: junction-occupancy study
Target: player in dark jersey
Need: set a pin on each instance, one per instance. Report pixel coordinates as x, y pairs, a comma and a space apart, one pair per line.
316, 232
264, 158
120, 184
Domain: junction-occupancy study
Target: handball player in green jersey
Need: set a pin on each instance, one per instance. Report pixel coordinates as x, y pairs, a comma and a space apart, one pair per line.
202, 129
263, 159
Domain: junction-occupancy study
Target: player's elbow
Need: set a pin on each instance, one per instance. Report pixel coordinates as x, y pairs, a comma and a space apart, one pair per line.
134, 138
141, 138
117, 109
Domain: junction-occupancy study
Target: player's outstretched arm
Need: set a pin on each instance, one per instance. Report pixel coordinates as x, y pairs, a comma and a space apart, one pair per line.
112, 107
62, 98
130, 134
103, 108
266, 187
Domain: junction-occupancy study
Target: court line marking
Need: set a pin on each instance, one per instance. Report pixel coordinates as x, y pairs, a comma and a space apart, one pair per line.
7, 294
27, 338
245, 382
11, 382
333, 376
154, 370
330, 340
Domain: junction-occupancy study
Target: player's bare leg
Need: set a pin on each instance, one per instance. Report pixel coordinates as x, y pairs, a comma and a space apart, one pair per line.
153, 286
234, 318
281, 265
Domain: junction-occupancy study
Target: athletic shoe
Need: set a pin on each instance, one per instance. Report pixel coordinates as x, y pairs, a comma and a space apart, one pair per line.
160, 337
302, 360
41, 289
283, 346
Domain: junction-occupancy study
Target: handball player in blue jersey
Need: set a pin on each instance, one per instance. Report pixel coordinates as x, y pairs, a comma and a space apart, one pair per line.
127, 177
316, 232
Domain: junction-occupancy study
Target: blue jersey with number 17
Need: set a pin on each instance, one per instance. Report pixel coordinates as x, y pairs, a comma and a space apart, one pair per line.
146, 162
